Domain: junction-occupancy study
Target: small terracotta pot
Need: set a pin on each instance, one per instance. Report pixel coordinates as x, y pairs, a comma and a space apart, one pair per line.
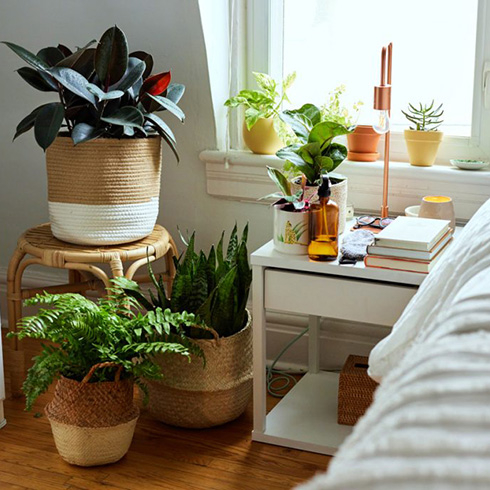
422, 146
363, 144
262, 138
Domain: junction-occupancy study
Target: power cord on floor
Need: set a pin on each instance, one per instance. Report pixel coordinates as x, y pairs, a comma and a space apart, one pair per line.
283, 376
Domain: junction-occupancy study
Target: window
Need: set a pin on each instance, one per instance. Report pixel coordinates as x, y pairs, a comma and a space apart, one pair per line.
439, 51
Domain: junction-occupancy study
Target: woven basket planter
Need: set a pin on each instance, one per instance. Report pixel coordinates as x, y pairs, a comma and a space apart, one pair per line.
92, 423
195, 396
105, 191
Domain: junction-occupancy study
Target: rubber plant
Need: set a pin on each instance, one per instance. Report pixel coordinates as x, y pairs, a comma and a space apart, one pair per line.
83, 333
103, 91
213, 286
315, 153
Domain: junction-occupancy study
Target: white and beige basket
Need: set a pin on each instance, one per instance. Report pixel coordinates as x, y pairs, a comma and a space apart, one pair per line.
195, 396
105, 191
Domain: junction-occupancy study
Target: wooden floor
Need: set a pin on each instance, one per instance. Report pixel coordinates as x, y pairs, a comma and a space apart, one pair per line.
161, 457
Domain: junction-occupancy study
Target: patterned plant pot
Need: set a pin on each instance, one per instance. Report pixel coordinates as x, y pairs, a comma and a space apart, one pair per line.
103, 192
291, 231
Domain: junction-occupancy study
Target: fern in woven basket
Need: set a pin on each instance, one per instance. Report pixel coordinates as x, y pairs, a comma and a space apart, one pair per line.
103, 91
214, 287
83, 333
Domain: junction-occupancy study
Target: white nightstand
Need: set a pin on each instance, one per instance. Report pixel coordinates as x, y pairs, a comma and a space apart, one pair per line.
306, 418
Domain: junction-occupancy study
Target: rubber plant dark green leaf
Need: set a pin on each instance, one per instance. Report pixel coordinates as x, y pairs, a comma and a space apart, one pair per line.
83, 132
126, 116
73, 58
35, 79
28, 122
27, 56
111, 57
147, 58
48, 123
73, 81
175, 91
51, 55
169, 105
134, 73
101, 95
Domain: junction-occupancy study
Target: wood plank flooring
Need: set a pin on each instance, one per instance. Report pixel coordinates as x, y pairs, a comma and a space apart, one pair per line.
161, 457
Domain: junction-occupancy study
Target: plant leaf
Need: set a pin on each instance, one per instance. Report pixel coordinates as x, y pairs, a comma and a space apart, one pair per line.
156, 84
73, 81
134, 72
111, 56
126, 116
28, 122
35, 79
157, 121
27, 56
48, 123
73, 58
325, 132
147, 58
175, 92
83, 132
51, 55
169, 105
101, 95
280, 180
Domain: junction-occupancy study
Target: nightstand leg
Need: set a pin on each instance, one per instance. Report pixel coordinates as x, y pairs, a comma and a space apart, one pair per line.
314, 344
259, 350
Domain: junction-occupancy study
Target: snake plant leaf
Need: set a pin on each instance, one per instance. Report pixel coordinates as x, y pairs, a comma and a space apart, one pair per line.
35, 79
27, 56
111, 56
48, 123
101, 95
245, 234
73, 81
83, 132
211, 269
134, 73
51, 55
175, 91
132, 288
126, 116
167, 104
232, 245
146, 58
224, 308
199, 291
28, 122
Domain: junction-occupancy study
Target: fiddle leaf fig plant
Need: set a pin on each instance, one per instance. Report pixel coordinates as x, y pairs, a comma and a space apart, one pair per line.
103, 91
265, 102
315, 153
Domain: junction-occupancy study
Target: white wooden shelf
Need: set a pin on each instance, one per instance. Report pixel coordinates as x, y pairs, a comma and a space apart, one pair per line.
306, 418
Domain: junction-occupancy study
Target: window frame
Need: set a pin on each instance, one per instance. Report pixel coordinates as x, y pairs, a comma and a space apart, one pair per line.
265, 52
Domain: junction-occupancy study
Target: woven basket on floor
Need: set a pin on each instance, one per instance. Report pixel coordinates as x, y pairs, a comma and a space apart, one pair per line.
356, 390
105, 191
195, 396
93, 423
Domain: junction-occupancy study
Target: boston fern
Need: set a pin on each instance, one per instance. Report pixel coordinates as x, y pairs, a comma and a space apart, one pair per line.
214, 287
104, 91
315, 153
84, 333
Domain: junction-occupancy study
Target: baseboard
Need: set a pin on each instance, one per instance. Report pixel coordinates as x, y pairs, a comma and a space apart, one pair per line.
338, 338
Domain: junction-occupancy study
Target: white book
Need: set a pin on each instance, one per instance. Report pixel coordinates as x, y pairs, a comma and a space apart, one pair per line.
410, 254
412, 233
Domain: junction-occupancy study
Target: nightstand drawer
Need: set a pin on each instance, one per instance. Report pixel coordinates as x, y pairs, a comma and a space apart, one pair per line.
336, 297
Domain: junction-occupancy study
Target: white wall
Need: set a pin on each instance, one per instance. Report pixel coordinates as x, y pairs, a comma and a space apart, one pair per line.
170, 30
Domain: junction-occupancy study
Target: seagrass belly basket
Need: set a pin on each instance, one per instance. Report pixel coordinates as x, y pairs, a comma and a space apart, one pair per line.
198, 396
105, 191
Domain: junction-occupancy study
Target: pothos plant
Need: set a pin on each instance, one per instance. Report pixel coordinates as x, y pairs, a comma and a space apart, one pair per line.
315, 152
83, 333
265, 102
103, 91
334, 111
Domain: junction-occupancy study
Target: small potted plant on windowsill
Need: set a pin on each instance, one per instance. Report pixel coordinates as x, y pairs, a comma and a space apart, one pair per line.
215, 287
261, 112
102, 137
291, 214
315, 153
97, 351
423, 138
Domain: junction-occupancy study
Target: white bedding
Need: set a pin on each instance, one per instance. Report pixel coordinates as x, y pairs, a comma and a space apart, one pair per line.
429, 425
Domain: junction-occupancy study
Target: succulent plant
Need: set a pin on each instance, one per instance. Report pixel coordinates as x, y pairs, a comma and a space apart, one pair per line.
103, 91
425, 118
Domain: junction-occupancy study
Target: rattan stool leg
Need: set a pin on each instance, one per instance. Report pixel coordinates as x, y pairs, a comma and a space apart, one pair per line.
14, 300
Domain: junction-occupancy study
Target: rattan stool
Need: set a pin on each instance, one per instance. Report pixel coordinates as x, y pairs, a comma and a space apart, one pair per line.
84, 274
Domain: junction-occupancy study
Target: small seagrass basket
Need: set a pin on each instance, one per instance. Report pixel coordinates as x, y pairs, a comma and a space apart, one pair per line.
93, 423
198, 396
356, 390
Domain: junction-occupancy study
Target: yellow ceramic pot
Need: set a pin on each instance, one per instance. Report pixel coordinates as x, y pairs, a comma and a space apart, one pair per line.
262, 138
422, 146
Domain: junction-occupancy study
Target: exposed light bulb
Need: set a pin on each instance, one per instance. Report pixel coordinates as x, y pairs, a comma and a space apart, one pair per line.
382, 125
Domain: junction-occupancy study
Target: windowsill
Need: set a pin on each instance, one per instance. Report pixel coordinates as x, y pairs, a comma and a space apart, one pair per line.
241, 176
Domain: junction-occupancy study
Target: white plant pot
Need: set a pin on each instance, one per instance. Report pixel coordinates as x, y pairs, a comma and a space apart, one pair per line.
291, 231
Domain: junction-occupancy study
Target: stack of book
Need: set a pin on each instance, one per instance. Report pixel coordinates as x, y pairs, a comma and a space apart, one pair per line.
410, 244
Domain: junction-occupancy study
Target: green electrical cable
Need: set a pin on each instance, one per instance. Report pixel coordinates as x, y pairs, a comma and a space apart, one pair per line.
284, 376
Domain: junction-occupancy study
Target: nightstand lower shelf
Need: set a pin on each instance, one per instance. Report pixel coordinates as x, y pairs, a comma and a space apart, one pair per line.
306, 418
